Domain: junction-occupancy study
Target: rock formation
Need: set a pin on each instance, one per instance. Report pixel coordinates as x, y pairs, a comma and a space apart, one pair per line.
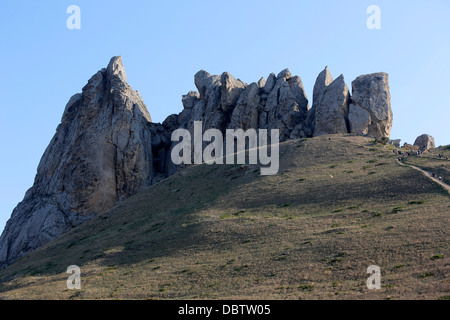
331, 109
425, 142
396, 142
366, 112
107, 149
97, 157
370, 107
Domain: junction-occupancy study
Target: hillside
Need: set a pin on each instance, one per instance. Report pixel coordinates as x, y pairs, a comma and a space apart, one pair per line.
339, 204
107, 149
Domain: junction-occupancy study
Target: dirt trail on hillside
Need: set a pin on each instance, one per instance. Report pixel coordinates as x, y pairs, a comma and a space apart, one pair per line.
427, 174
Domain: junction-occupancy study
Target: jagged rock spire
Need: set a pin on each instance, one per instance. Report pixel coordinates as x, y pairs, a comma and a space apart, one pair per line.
100, 154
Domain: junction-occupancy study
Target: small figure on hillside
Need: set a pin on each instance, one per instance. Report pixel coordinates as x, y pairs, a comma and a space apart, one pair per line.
433, 175
440, 178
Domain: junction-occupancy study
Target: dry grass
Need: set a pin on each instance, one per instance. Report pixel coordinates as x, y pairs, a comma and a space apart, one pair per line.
225, 232
430, 162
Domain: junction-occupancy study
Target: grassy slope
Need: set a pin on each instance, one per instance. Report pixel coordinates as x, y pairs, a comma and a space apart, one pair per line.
223, 231
430, 162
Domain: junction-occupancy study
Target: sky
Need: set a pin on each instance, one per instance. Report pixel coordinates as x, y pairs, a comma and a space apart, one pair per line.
164, 43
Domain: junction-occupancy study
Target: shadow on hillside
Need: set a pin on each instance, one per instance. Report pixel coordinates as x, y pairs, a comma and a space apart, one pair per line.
164, 220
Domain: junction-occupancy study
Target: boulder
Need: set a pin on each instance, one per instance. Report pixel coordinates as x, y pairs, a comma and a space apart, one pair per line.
425, 142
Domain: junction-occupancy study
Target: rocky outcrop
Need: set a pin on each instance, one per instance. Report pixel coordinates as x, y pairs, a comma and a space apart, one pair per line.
367, 111
107, 149
231, 91
324, 79
280, 102
99, 155
331, 110
395, 142
425, 142
370, 107
223, 102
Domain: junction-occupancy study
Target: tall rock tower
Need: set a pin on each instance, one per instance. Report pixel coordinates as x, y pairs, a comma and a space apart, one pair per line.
101, 153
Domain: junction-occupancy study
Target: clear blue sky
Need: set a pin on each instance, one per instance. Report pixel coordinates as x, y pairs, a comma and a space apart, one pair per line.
164, 43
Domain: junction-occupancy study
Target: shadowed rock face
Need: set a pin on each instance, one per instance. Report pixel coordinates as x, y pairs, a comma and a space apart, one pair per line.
97, 157
324, 79
107, 149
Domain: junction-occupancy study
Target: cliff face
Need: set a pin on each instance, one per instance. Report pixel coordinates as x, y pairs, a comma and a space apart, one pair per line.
96, 157
107, 149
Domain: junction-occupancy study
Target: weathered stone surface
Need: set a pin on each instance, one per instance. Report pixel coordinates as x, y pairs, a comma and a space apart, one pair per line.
324, 79
261, 83
359, 120
231, 90
299, 93
278, 103
425, 142
284, 74
286, 105
204, 81
100, 154
190, 99
246, 113
269, 83
371, 93
332, 111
